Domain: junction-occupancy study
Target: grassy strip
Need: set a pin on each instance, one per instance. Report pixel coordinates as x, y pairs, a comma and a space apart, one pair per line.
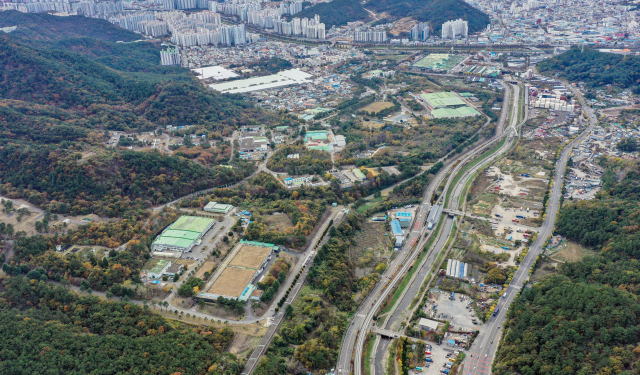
405, 281
470, 165
391, 369
367, 355
369, 204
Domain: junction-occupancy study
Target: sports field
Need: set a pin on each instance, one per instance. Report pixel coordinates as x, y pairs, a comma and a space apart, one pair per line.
231, 282
250, 256
439, 61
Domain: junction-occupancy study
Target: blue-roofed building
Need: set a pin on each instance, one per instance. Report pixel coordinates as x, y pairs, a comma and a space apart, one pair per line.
395, 228
405, 215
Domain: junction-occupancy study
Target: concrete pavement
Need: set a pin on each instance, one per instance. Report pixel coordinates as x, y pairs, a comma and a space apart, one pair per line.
486, 344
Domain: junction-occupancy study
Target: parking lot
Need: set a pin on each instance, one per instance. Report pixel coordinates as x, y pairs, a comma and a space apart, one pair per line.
440, 356
580, 185
454, 311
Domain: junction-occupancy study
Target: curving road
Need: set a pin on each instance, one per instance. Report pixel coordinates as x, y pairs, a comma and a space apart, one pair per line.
483, 350
353, 342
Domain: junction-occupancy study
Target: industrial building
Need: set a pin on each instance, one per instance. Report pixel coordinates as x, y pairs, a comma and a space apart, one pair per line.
214, 72
280, 79
183, 234
404, 218
459, 112
396, 229
218, 208
442, 99
158, 269
457, 269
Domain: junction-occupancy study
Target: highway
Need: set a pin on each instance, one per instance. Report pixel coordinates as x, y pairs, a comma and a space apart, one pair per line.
353, 341
483, 350
402, 311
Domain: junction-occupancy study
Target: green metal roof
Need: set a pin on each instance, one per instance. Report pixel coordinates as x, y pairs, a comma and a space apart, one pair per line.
160, 264
191, 224
358, 173
318, 135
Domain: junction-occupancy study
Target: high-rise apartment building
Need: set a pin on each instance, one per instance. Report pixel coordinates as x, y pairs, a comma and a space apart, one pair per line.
420, 31
455, 29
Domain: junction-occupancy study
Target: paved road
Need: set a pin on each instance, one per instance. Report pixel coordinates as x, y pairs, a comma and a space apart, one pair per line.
305, 259
353, 342
402, 311
484, 348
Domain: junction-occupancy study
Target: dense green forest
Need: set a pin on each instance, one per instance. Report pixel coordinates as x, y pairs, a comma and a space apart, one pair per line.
337, 12
64, 76
595, 69
77, 91
270, 66
48, 330
585, 320
309, 162
435, 12
44, 27
107, 184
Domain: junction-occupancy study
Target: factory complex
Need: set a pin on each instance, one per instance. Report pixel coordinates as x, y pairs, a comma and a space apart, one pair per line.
183, 234
280, 79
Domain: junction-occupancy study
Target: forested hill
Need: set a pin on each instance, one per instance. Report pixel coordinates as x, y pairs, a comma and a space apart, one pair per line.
118, 88
586, 319
49, 330
43, 27
595, 69
337, 12
435, 12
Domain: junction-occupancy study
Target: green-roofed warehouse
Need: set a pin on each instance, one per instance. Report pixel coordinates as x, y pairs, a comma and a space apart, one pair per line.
183, 234
454, 112
442, 99
317, 135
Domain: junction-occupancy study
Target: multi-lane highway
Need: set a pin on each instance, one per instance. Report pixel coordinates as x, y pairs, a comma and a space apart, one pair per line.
401, 310
353, 343
483, 350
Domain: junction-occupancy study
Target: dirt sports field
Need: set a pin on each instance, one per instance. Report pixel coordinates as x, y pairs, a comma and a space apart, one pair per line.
231, 282
250, 257
376, 107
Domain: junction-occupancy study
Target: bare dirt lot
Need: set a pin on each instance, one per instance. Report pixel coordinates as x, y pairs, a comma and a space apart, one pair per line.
376, 107
243, 344
373, 124
250, 256
25, 220
278, 222
231, 282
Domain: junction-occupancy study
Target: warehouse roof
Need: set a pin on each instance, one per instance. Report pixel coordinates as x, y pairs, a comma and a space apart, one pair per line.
395, 228
191, 223
428, 323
